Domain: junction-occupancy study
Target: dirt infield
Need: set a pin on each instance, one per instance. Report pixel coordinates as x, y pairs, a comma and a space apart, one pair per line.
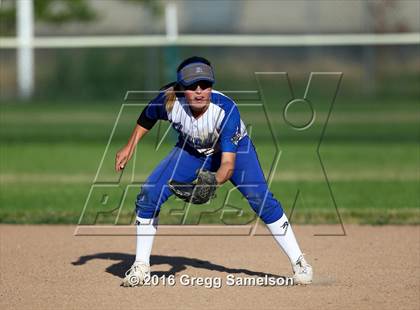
47, 267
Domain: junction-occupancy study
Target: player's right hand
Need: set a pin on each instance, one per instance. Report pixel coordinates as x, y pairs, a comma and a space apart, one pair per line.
122, 158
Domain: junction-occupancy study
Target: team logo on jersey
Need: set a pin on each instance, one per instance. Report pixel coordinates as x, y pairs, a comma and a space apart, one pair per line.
235, 139
177, 126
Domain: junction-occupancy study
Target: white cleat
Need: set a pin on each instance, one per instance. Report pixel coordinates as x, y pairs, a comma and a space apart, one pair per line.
302, 271
136, 275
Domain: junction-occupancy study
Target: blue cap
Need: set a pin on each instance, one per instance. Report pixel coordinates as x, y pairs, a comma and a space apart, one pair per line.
195, 72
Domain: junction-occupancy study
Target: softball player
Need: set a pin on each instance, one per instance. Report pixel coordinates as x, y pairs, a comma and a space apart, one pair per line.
213, 141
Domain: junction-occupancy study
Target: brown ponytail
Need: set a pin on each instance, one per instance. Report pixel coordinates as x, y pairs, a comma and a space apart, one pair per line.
170, 97
171, 90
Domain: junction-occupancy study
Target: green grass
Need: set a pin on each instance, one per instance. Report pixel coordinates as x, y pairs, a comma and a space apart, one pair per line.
50, 154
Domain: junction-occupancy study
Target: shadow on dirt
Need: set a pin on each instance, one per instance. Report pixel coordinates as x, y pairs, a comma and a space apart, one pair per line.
177, 264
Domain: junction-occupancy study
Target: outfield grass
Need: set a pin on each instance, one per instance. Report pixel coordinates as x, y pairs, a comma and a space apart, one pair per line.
50, 154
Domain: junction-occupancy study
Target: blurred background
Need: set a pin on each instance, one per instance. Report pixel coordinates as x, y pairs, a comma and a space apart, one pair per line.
66, 65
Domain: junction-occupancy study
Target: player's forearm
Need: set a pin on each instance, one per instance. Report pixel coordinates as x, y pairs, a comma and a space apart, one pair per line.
226, 168
137, 134
224, 172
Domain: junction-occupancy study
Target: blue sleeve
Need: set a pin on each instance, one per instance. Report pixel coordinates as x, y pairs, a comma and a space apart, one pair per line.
153, 112
230, 130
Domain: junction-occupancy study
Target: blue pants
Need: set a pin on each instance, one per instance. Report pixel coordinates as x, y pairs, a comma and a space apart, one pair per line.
181, 164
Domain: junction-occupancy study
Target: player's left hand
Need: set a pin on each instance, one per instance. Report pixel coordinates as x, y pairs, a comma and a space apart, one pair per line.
200, 191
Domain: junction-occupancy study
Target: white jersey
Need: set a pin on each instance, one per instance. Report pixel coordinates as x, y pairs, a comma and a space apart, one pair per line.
218, 129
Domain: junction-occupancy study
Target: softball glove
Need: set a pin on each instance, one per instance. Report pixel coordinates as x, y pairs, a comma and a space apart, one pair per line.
200, 191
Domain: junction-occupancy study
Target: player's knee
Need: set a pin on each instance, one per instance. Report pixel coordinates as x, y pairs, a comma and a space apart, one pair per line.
255, 199
147, 203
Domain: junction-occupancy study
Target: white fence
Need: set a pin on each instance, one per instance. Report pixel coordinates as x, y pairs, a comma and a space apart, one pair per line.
25, 42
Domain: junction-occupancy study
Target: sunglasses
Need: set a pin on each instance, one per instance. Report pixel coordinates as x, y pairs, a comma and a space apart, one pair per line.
203, 85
